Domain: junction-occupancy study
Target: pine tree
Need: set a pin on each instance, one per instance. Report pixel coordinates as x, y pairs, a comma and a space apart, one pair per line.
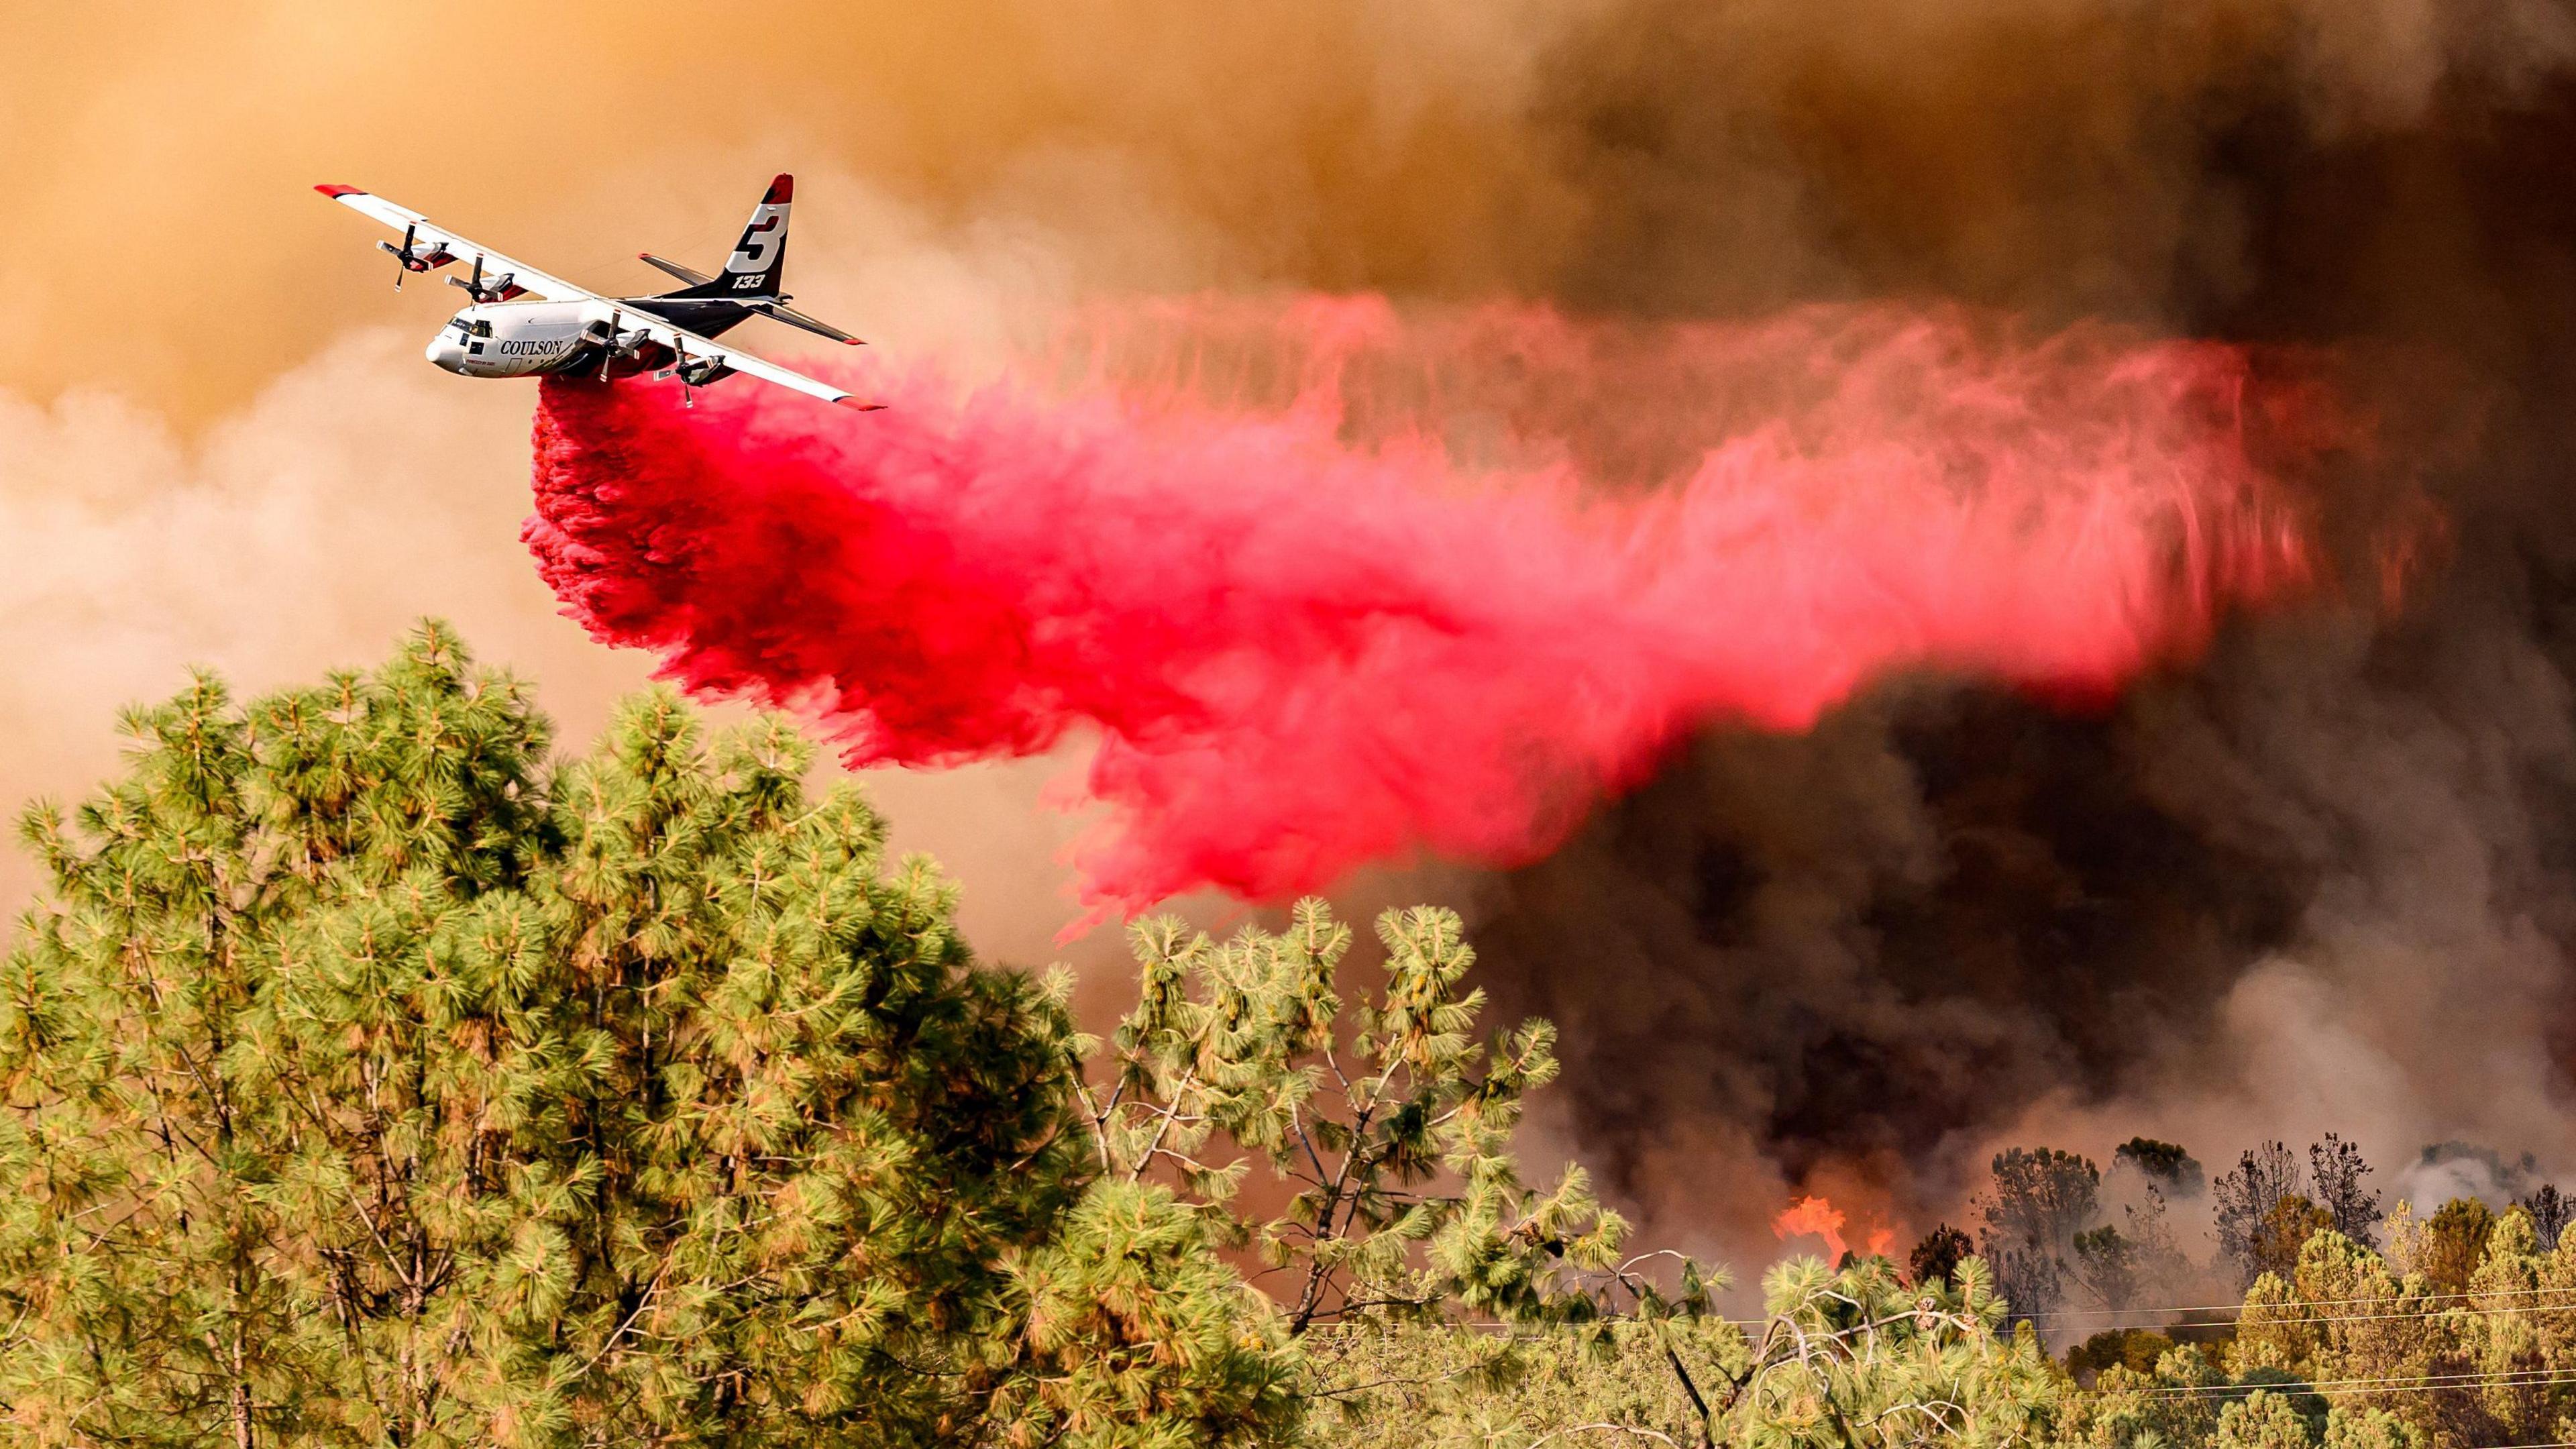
2549, 1210
2248, 1201
372, 1080
1860, 1357
1937, 1256
1386, 1125
2038, 1200
2455, 1243
2172, 1171
1393, 1130
2263, 1420
2336, 1167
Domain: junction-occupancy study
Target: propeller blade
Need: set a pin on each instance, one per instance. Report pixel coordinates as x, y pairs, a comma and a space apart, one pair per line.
608, 354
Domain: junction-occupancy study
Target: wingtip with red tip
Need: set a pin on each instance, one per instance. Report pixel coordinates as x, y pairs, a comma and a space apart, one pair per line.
857, 406
336, 191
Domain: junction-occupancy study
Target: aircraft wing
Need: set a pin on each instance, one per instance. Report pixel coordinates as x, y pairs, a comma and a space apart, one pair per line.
695, 348
428, 237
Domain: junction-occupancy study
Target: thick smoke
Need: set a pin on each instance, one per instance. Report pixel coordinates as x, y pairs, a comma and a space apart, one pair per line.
2320, 883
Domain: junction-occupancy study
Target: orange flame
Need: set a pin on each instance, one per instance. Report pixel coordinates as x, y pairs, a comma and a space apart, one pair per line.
1817, 1217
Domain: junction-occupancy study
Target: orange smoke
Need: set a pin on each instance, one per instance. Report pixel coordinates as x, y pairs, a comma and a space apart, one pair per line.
1817, 1217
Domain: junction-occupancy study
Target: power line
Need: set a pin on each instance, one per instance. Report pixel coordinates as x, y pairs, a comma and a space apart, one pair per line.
2401, 1302
2404, 1302
2430, 1384
2415, 1307
2269, 1320
2239, 1306
2464, 1382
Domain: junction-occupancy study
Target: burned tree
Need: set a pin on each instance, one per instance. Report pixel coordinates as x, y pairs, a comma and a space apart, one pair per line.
2336, 1169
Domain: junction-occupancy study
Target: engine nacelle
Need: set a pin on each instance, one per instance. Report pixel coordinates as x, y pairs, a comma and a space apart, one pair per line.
700, 371
500, 289
419, 259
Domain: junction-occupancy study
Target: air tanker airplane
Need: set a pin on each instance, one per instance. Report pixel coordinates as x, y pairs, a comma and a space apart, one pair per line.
523, 323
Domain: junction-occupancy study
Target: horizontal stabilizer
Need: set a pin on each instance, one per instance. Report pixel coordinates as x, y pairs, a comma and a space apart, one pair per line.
690, 275
779, 312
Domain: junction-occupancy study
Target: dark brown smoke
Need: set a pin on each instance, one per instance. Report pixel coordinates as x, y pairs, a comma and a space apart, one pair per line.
2323, 882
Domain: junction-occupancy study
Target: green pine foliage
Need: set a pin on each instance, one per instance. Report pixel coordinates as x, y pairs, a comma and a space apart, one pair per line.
1862, 1356
1848, 1358
1434, 1385
374, 1076
374, 1079
2264, 1419
1384, 1122
1137, 1336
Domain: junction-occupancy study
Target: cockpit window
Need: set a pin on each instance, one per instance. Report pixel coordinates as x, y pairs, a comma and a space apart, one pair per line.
482, 329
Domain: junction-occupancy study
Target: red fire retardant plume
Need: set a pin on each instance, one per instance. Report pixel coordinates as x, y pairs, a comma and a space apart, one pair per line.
1329, 586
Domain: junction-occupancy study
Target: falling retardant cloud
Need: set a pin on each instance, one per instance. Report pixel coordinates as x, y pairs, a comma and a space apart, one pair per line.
1301, 656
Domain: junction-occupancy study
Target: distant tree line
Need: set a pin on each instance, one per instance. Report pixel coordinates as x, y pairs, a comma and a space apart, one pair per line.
2458, 1333
2048, 1225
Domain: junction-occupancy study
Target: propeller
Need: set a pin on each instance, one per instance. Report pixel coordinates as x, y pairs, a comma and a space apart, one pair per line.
613, 347
608, 347
680, 366
402, 257
412, 260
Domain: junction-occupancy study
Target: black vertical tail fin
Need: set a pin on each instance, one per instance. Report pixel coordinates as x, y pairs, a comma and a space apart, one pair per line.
759, 260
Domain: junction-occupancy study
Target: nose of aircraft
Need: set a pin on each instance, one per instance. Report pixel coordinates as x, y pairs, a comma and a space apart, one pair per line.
446, 352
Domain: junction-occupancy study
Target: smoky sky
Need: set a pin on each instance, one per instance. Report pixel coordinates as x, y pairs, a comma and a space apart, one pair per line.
2317, 881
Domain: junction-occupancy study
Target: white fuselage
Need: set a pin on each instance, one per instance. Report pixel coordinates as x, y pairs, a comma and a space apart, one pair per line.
520, 339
